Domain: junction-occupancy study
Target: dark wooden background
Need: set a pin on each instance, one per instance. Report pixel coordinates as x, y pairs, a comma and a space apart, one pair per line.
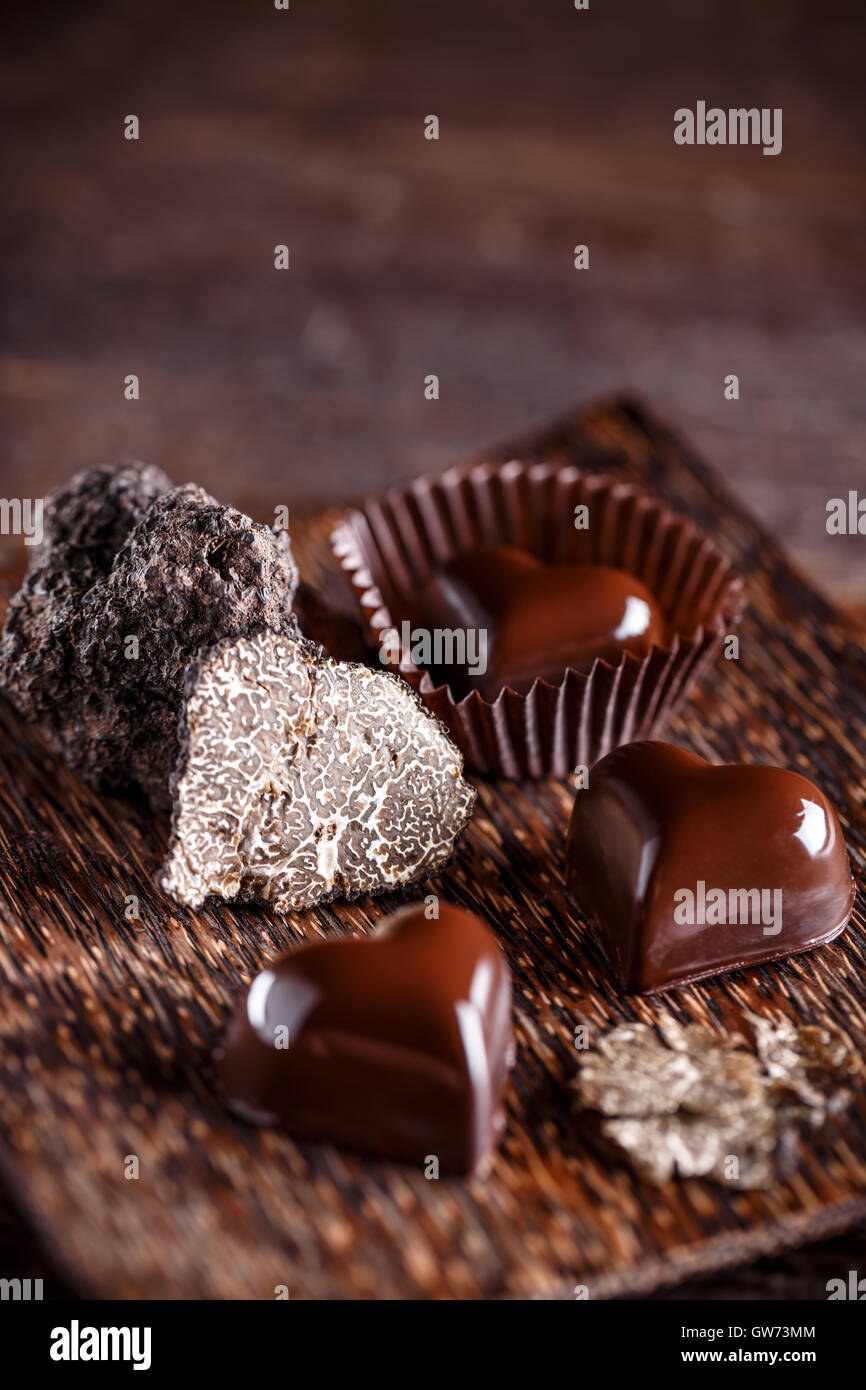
454, 257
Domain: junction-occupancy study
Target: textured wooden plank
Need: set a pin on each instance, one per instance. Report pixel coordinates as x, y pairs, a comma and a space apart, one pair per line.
108, 1025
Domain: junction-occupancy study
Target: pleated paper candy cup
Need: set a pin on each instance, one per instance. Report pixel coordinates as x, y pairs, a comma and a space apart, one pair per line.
392, 544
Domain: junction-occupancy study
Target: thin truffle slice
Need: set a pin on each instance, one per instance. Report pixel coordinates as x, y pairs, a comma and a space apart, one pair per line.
303, 779
690, 1104
133, 577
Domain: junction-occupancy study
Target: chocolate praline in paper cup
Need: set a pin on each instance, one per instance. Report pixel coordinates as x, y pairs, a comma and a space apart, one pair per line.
393, 543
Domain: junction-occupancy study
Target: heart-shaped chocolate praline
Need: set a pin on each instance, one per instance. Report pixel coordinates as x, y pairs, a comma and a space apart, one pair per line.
688, 870
537, 620
396, 1045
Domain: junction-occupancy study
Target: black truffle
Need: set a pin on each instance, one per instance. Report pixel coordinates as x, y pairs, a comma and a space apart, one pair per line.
86, 521
301, 779
133, 576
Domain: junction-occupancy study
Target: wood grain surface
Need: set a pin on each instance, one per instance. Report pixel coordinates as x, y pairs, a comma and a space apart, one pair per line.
108, 1024
453, 257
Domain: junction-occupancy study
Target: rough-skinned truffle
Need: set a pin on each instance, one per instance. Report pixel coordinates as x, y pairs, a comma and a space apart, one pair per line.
84, 524
89, 517
133, 577
301, 779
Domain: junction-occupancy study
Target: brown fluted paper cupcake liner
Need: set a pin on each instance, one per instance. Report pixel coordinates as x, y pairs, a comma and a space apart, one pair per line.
392, 543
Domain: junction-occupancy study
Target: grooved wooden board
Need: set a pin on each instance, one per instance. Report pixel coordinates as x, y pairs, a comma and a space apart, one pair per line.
107, 1025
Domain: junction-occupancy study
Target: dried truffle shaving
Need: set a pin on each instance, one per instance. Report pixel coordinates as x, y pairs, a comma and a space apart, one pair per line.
633, 1073
691, 1104
127, 556
302, 779
662, 1147
807, 1067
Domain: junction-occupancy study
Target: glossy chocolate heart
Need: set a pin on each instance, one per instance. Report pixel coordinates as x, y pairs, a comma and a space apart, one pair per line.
396, 1045
540, 620
688, 870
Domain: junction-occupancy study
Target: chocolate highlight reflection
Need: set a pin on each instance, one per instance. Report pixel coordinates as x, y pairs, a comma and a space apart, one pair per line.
397, 1045
657, 822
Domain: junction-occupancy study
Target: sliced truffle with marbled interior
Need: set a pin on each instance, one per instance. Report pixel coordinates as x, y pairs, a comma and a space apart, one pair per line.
303, 779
